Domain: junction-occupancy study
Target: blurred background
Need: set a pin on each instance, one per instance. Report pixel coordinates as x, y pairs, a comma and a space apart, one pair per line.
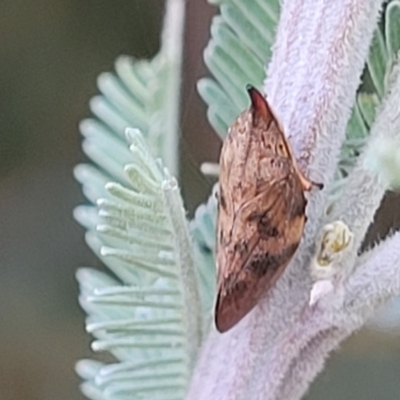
51, 52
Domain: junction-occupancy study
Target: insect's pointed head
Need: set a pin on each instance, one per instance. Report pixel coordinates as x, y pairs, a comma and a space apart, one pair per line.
259, 105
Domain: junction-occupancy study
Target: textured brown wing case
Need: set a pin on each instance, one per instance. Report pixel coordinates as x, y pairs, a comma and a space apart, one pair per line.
261, 212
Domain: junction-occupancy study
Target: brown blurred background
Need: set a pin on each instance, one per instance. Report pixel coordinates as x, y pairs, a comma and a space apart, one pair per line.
51, 52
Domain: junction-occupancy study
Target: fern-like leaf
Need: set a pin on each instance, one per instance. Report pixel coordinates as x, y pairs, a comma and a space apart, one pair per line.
148, 314
143, 94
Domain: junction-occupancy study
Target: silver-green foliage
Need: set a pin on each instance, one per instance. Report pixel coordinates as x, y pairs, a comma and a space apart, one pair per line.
141, 313
145, 309
130, 97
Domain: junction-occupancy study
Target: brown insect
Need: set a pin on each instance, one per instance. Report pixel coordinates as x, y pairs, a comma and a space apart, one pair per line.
261, 212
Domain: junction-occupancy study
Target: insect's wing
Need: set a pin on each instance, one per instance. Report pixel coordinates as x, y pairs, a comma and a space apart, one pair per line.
261, 211
261, 245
